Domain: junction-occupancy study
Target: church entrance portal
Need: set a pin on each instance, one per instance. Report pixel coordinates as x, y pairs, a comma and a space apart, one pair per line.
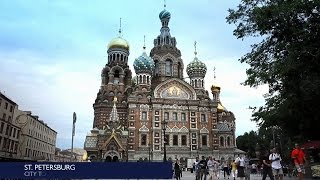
111, 156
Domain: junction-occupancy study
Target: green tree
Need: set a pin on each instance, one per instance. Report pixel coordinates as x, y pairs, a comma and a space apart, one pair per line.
247, 142
287, 59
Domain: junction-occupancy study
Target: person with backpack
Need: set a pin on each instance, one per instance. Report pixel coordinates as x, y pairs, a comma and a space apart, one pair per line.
276, 166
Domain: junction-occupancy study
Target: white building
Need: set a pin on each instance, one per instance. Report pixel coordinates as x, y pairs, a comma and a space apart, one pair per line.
37, 140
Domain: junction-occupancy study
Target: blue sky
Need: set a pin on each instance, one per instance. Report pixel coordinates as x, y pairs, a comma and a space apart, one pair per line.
52, 54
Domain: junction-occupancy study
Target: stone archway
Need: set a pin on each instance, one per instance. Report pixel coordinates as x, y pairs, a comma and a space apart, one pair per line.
111, 156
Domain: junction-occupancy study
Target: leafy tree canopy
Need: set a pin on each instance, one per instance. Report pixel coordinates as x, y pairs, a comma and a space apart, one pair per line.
287, 60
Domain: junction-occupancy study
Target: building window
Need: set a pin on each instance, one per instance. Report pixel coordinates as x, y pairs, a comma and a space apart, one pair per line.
175, 140
203, 118
9, 118
6, 105
11, 108
1, 127
156, 67
174, 116
8, 129
144, 115
221, 141
167, 139
116, 77
228, 141
143, 139
204, 140
183, 140
183, 116
168, 68
4, 116
166, 116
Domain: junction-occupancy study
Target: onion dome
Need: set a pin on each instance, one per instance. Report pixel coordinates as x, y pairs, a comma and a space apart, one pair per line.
215, 88
196, 68
143, 64
164, 14
118, 42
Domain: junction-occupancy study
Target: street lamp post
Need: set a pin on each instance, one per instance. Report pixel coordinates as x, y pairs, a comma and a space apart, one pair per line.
149, 152
164, 128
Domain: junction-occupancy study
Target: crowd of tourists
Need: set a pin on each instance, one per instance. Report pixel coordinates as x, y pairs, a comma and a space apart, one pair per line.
269, 165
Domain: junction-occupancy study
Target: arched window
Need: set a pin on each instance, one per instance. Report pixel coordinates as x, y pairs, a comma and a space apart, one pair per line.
196, 83
113, 57
144, 79
140, 79
221, 141
228, 141
156, 68
179, 69
116, 77
168, 67
148, 80
121, 57
118, 57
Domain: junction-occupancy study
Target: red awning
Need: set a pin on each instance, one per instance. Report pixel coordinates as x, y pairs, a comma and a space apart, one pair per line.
311, 145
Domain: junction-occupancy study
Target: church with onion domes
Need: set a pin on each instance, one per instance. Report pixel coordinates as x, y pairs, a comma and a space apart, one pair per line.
157, 115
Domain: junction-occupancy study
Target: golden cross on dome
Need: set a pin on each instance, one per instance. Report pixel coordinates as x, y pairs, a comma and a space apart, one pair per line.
164, 4
214, 73
195, 48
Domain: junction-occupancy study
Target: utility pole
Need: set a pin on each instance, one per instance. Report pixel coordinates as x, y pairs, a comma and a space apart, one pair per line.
73, 133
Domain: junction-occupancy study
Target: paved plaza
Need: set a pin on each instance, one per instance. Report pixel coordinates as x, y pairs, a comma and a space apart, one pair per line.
187, 175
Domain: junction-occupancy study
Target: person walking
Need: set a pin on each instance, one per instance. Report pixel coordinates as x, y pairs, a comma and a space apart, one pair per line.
266, 167
233, 169
240, 166
275, 159
299, 160
247, 166
203, 168
225, 169
177, 170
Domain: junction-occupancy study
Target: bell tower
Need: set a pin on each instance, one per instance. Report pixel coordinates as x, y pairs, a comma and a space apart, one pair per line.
166, 56
115, 81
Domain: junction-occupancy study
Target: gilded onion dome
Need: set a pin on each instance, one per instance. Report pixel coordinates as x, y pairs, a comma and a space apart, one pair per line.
196, 68
215, 88
143, 64
118, 42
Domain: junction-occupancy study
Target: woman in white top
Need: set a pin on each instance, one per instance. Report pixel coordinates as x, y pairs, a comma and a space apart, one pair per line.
240, 166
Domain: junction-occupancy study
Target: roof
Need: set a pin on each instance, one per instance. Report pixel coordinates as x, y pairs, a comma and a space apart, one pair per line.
311, 145
7, 99
223, 127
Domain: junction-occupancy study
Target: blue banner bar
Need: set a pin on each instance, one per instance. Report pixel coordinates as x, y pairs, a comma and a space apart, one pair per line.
86, 170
